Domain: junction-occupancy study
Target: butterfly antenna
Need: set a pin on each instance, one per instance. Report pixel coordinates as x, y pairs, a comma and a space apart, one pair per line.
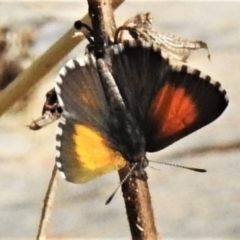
79, 25
156, 169
180, 166
120, 184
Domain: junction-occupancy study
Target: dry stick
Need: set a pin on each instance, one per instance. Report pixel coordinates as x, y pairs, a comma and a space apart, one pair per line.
135, 191
139, 209
103, 23
48, 201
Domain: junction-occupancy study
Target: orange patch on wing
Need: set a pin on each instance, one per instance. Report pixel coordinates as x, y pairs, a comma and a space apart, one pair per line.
93, 155
88, 99
172, 110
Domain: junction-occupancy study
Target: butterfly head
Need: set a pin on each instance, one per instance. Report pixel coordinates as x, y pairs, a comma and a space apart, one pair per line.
140, 163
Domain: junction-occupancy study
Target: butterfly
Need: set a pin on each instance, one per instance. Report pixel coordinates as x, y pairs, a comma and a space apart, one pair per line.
114, 110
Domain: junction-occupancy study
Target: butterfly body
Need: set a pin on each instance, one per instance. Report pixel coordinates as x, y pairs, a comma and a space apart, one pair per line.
114, 115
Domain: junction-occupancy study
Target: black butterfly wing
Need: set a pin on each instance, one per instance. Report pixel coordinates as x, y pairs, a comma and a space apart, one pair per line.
168, 102
83, 147
187, 102
137, 69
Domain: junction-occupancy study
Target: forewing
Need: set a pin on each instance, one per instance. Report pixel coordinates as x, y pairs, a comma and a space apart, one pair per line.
168, 102
137, 68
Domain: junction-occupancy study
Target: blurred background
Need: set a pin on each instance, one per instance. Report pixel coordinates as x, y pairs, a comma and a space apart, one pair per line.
186, 204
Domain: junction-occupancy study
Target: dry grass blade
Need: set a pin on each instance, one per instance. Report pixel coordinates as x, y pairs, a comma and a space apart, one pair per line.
46, 210
37, 70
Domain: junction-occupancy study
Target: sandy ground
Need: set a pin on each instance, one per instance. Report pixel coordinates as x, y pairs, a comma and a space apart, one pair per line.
186, 204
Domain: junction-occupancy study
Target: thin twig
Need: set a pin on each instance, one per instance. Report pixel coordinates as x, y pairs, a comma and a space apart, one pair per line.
135, 192
48, 201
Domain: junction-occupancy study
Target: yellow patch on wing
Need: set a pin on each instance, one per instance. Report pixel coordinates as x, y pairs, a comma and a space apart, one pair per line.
93, 158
